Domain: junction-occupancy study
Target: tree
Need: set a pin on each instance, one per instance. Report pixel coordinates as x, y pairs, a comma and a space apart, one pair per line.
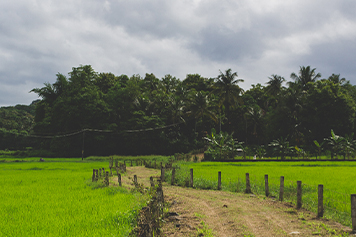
281, 147
326, 105
306, 75
275, 84
201, 106
335, 78
228, 90
255, 116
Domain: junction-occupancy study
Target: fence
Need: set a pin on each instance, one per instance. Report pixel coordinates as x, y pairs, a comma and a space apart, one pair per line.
319, 199
151, 215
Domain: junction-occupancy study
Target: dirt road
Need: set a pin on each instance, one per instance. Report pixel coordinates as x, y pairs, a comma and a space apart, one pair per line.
219, 213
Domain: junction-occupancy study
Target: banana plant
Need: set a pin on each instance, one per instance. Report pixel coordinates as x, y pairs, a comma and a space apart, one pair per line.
319, 146
281, 147
221, 145
335, 143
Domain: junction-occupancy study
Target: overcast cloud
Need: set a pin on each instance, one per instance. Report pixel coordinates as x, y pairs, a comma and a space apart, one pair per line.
254, 38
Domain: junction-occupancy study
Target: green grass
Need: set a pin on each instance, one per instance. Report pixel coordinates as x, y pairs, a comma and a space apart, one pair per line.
58, 199
156, 158
338, 178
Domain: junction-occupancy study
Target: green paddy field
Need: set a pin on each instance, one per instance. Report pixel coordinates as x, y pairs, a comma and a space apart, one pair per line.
338, 178
58, 199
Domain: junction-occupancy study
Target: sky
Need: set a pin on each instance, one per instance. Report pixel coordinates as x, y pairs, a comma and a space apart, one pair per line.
255, 38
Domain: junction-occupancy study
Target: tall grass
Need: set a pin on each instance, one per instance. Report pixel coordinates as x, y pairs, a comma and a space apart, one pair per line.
338, 178
57, 199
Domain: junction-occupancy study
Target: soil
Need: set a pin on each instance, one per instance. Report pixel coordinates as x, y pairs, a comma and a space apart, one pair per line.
196, 212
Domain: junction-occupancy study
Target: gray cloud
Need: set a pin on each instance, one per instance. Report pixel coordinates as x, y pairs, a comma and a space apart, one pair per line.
255, 38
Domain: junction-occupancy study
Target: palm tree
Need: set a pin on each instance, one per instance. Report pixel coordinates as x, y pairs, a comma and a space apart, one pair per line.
177, 107
255, 115
336, 79
306, 75
49, 92
275, 84
201, 105
228, 90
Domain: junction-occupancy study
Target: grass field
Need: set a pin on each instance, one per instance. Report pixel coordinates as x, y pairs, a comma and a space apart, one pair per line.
58, 199
338, 178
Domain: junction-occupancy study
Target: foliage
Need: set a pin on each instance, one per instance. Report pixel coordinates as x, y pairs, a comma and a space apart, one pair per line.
281, 147
150, 115
222, 145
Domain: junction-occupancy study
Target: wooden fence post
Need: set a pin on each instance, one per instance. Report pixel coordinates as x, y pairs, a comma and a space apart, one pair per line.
173, 175
299, 194
107, 178
160, 196
320, 201
353, 212
162, 174
248, 186
151, 181
119, 179
96, 175
219, 180
281, 189
135, 178
191, 178
93, 177
266, 185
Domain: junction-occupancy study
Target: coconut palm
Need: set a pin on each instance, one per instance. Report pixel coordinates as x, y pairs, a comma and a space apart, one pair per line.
306, 75
275, 84
200, 105
335, 78
228, 90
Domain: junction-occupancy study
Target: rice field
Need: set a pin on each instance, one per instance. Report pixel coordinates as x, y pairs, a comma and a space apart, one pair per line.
58, 199
338, 178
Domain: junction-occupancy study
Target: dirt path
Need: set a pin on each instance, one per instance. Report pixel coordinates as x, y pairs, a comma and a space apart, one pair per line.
219, 213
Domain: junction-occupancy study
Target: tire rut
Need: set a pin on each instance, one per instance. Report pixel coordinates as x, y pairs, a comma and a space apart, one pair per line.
219, 213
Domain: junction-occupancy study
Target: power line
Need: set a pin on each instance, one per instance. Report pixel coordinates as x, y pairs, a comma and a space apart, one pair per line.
97, 130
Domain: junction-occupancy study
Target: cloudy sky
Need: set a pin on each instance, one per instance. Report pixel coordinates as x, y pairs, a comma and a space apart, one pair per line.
255, 38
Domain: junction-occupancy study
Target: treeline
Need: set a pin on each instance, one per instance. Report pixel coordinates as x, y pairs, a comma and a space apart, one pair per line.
16, 122
303, 109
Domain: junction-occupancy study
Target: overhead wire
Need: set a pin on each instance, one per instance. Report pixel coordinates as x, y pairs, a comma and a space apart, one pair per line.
96, 130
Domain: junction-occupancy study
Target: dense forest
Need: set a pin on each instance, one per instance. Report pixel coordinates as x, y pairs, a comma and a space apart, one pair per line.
147, 115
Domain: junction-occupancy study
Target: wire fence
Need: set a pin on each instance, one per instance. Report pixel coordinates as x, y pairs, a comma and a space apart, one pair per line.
336, 205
